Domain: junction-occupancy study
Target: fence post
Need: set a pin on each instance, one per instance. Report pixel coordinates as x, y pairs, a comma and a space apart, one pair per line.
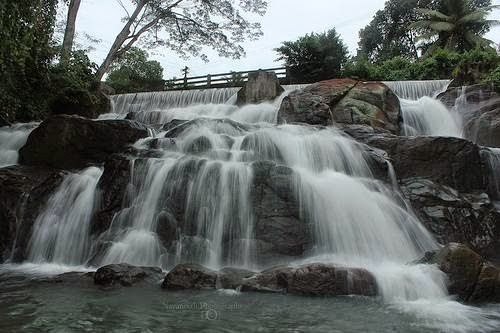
209, 80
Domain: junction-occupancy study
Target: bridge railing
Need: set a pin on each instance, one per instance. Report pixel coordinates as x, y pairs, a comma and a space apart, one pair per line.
231, 79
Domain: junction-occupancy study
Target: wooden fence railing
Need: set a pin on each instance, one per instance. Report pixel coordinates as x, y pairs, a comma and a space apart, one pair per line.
231, 79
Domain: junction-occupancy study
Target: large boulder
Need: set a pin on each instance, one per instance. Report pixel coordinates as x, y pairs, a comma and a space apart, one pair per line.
190, 276
260, 87
24, 191
314, 280
470, 277
125, 275
343, 101
454, 216
72, 142
448, 161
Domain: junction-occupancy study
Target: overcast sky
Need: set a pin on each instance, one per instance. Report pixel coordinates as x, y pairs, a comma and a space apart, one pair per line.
284, 20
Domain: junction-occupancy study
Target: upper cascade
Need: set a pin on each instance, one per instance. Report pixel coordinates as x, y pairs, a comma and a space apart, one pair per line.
162, 100
414, 90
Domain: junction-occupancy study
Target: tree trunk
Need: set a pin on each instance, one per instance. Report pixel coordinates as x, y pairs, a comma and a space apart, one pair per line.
119, 40
69, 33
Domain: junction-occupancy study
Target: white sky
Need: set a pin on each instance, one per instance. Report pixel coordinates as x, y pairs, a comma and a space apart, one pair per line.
285, 20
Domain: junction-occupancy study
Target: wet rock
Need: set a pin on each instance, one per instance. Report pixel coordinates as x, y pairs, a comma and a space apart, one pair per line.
125, 275
199, 145
371, 103
278, 227
24, 191
480, 108
313, 104
260, 87
113, 186
343, 101
470, 277
448, 161
190, 276
72, 278
71, 142
314, 280
454, 216
311, 280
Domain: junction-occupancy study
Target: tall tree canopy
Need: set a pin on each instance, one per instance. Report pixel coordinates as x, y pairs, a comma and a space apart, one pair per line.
314, 57
389, 33
187, 26
133, 72
456, 24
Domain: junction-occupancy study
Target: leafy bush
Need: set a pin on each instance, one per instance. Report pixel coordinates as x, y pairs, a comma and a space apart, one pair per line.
314, 57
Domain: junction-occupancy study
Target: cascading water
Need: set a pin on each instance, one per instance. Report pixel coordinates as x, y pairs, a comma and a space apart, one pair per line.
61, 233
428, 116
422, 114
12, 138
194, 179
413, 90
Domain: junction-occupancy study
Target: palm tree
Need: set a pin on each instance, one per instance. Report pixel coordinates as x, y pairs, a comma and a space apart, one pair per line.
458, 25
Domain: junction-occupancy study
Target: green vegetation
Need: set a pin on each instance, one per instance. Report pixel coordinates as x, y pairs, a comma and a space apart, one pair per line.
456, 24
470, 67
25, 55
314, 57
133, 72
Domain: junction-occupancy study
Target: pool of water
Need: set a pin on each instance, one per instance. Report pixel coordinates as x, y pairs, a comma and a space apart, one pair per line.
29, 303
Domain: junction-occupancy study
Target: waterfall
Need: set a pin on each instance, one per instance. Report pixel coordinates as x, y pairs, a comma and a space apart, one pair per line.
12, 138
413, 90
61, 233
428, 116
146, 102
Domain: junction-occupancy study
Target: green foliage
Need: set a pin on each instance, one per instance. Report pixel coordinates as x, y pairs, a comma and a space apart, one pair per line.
456, 24
494, 78
133, 72
389, 34
442, 64
314, 57
25, 54
236, 79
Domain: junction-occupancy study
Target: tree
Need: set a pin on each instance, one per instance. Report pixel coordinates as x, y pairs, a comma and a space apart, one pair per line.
133, 72
69, 33
389, 34
186, 26
314, 57
457, 24
26, 28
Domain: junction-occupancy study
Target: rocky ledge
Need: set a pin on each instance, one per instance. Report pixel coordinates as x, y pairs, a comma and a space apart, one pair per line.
312, 279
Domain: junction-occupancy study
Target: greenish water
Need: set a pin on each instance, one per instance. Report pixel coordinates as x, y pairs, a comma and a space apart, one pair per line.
29, 305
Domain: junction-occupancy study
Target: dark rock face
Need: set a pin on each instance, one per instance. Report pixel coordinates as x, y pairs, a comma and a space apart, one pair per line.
260, 87
469, 277
456, 217
278, 228
343, 101
482, 114
190, 276
24, 191
448, 161
113, 186
312, 280
71, 142
125, 275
